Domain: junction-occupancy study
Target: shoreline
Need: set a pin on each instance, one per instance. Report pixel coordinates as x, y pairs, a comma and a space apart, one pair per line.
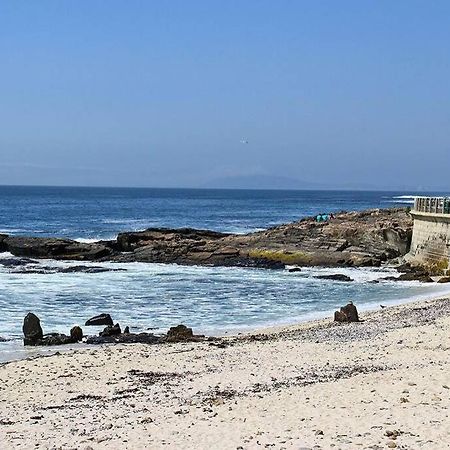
309, 319
380, 383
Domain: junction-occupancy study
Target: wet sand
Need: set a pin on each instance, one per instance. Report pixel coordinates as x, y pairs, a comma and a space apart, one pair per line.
381, 383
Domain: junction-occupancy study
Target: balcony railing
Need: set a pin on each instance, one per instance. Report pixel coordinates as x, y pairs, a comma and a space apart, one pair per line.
436, 205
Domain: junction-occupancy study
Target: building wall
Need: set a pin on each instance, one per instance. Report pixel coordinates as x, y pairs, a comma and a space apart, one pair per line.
430, 243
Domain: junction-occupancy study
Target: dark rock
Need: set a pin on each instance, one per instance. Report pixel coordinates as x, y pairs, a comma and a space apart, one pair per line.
127, 330
141, 338
335, 277
15, 262
111, 330
76, 334
32, 329
294, 269
347, 313
37, 247
444, 280
88, 269
101, 319
2, 339
423, 277
54, 339
181, 333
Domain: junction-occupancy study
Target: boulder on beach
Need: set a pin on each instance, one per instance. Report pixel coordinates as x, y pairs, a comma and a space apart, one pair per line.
76, 334
101, 319
111, 330
347, 313
181, 333
32, 330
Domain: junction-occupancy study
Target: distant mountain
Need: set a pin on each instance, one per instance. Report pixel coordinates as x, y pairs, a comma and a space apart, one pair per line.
260, 182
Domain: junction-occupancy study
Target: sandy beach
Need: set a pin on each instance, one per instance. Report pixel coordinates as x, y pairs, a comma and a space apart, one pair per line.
381, 383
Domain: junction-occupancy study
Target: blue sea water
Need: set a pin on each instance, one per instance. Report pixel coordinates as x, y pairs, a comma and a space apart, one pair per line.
154, 296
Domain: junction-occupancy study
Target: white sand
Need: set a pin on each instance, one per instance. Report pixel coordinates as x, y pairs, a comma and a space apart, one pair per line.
310, 386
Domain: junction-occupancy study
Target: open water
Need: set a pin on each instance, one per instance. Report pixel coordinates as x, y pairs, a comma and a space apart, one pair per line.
154, 296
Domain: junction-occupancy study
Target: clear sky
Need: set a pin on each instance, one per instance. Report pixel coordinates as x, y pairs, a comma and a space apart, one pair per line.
161, 93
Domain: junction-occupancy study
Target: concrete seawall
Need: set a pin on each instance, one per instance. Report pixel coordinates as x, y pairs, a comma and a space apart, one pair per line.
430, 243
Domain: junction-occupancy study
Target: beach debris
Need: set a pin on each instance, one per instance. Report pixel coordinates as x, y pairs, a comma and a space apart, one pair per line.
32, 329
111, 330
335, 277
76, 334
101, 319
347, 313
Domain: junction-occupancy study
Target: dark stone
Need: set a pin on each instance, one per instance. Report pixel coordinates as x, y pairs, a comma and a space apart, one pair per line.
55, 339
347, 313
294, 269
32, 329
111, 330
2, 339
141, 338
179, 333
423, 277
444, 280
88, 269
335, 277
76, 334
127, 330
101, 319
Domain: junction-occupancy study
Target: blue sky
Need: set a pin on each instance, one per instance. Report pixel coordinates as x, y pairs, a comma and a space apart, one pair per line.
153, 93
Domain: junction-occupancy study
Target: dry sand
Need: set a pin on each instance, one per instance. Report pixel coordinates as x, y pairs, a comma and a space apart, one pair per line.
383, 383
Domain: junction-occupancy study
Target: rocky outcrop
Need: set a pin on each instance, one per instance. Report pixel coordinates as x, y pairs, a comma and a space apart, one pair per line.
53, 248
365, 238
335, 277
181, 333
347, 313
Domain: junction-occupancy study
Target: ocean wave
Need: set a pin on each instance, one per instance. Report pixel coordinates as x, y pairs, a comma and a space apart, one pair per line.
405, 196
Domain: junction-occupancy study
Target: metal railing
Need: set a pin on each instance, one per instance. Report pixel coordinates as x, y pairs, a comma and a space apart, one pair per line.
436, 205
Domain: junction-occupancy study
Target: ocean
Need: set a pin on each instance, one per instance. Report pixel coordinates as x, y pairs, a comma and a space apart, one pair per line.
212, 300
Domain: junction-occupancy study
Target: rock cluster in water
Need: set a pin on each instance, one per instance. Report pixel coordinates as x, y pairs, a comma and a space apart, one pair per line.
34, 335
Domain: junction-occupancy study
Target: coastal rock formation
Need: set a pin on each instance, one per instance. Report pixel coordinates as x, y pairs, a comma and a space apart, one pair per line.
32, 330
347, 313
101, 319
335, 277
124, 338
365, 238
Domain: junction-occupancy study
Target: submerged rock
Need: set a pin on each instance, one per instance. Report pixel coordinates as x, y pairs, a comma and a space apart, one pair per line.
32, 329
101, 319
335, 277
347, 313
294, 269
